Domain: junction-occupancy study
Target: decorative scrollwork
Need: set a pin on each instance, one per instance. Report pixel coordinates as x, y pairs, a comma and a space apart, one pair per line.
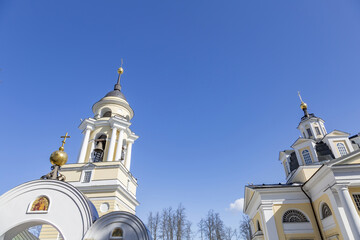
54, 174
292, 216
325, 211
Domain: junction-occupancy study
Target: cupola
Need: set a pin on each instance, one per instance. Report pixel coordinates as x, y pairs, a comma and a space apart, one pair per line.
114, 103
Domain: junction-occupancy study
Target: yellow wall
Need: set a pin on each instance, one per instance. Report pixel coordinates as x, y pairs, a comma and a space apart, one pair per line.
256, 218
305, 174
48, 232
280, 209
333, 231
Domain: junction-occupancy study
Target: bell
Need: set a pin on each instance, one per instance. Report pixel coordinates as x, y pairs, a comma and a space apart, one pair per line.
99, 146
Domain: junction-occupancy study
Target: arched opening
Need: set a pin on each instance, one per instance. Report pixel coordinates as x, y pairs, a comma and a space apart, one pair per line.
306, 156
292, 216
325, 211
107, 114
258, 225
33, 230
117, 233
342, 149
296, 222
123, 150
98, 153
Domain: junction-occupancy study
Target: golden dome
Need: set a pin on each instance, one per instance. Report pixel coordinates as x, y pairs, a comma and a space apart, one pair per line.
120, 70
303, 106
59, 157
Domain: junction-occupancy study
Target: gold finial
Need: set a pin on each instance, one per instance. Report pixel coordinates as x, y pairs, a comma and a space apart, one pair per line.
120, 71
303, 105
60, 157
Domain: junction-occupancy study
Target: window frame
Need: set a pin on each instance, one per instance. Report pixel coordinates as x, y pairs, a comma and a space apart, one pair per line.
323, 213
357, 204
83, 177
117, 237
342, 149
309, 132
302, 216
308, 154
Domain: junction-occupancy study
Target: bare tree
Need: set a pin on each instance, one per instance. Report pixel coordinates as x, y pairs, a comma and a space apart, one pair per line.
245, 229
153, 224
170, 224
180, 220
188, 232
164, 224
229, 233
201, 226
150, 223
212, 227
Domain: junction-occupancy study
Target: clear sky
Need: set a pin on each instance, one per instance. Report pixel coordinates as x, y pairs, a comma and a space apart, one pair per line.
213, 85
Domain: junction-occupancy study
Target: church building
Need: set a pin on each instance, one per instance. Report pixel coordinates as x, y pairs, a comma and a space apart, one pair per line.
94, 198
321, 196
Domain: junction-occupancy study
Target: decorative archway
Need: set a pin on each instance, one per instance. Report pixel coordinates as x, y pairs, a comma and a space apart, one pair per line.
22, 228
131, 226
67, 208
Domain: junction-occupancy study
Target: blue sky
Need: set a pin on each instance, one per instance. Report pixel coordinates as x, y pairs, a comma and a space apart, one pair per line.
213, 85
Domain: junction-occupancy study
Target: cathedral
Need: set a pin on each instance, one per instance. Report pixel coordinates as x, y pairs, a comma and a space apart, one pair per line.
321, 196
94, 198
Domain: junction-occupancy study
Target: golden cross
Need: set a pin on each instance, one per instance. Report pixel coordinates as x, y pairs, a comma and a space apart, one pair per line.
64, 137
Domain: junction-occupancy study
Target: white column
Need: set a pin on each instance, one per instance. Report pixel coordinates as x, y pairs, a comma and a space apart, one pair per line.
110, 155
339, 213
84, 146
119, 146
270, 225
350, 210
128, 156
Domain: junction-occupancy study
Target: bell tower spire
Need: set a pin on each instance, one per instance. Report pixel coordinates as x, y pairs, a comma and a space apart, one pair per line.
120, 71
310, 126
104, 159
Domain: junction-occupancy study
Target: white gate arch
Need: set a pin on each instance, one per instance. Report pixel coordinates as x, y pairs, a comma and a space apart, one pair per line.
70, 212
132, 227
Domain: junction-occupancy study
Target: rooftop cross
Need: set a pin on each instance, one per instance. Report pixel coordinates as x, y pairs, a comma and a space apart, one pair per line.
64, 137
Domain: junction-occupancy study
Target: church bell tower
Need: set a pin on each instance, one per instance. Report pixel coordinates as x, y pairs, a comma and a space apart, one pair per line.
102, 171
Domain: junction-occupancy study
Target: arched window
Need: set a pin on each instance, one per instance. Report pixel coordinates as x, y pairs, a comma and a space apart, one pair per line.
123, 150
306, 156
258, 226
325, 211
292, 216
98, 153
342, 149
107, 114
117, 233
